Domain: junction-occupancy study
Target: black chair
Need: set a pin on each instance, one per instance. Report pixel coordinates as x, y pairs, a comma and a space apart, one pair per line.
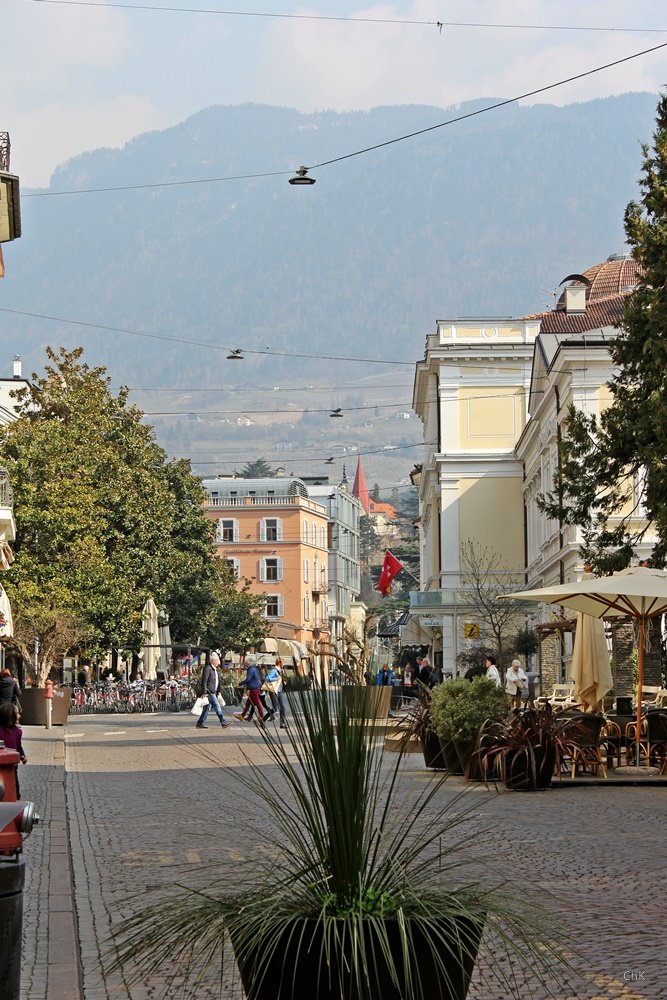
656, 737
582, 745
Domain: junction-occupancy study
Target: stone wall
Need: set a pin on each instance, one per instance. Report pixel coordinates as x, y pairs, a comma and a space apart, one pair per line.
622, 660
549, 660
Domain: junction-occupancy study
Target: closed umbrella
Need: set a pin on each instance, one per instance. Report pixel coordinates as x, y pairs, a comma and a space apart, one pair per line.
590, 668
164, 638
6, 623
150, 653
639, 593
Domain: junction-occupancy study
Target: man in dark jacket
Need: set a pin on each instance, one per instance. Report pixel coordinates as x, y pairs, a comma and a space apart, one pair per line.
10, 692
211, 685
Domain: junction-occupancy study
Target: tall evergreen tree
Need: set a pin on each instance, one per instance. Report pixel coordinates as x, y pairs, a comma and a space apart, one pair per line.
618, 464
259, 469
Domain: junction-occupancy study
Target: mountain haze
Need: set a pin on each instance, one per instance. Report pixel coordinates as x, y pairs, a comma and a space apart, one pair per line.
484, 216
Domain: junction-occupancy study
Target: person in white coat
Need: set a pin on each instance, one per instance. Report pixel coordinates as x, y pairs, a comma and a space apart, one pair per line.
515, 683
492, 669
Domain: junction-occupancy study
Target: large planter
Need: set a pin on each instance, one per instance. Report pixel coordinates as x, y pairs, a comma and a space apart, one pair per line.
518, 774
432, 750
450, 757
33, 706
374, 700
297, 964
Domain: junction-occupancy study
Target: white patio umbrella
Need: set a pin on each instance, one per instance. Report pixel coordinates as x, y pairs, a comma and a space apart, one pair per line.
6, 622
150, 653
590, 668
164, 634
638, 592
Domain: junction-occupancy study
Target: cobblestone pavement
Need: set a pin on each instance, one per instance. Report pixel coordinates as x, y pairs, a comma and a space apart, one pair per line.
152, 802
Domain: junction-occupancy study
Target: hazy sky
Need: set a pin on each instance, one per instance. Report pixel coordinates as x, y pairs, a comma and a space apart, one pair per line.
76, 77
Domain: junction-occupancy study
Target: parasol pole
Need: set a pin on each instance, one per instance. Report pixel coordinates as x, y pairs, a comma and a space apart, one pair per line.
640, 685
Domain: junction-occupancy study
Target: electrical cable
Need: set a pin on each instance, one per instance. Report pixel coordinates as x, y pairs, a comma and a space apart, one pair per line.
366, 149
156, 8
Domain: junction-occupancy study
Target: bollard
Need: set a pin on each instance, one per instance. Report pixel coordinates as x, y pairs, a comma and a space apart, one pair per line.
48, 694
12, 878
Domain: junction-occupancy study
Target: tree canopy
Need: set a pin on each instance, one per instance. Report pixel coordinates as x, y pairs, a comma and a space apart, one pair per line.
612, 477
104, 521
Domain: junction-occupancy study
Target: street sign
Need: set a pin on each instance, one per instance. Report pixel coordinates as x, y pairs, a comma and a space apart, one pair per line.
470, 631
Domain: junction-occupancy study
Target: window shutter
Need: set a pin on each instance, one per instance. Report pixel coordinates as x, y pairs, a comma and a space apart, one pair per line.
279, 529
305, 532
281, 604
280, 568
306, 575
262, 570
236, 530
262, 530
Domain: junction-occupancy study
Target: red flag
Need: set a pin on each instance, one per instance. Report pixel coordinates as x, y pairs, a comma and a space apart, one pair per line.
390, 568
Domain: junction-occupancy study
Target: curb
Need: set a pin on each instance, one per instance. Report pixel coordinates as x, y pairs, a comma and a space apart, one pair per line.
64, 965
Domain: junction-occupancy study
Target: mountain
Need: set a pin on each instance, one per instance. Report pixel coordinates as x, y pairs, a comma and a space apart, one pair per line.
484, 216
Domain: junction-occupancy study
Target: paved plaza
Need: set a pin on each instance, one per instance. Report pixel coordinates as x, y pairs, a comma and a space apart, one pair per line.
137, 801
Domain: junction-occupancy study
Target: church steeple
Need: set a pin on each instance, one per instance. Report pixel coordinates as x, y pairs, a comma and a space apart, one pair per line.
360, 490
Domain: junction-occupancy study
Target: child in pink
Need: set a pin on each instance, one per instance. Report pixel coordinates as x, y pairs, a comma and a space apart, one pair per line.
11, 735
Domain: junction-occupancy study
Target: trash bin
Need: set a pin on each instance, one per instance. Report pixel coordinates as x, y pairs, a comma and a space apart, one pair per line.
12, 879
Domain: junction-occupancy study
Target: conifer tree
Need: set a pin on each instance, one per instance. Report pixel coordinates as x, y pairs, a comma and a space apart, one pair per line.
618, 463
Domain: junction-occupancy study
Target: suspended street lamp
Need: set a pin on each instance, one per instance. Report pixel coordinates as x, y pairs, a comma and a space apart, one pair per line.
302, 177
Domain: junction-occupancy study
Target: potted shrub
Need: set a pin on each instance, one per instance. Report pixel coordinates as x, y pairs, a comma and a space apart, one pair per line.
458, 710
369, 902
523, 752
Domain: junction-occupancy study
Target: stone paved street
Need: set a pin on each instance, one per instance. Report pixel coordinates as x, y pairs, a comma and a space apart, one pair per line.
149, 801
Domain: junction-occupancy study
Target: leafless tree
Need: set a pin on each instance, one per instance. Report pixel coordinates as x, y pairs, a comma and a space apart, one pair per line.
484, 577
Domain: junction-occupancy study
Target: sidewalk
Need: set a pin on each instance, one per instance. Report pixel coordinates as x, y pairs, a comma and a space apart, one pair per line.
150, 801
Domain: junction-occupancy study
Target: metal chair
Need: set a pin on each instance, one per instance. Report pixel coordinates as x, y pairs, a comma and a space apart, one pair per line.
611, 743
582, 743
652, 739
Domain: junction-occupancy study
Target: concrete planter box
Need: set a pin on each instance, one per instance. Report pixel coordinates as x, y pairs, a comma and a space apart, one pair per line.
33, 706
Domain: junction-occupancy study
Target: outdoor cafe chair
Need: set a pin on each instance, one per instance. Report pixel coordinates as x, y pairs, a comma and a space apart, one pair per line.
610, 742
652, 740
562, 696
582, 737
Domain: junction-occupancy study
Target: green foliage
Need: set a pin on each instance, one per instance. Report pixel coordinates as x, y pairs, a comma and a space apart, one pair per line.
259, 469
460, 707
620, 460
104, 521
354, 848
526, 642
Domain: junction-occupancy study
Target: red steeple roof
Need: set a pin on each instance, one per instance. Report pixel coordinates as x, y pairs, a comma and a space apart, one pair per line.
360, 490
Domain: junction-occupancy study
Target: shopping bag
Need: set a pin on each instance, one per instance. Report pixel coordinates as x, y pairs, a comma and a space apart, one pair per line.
198, 706
221, 700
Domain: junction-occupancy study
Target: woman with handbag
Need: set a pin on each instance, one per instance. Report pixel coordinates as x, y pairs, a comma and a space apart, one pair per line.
515, 682
10, 692
273, 684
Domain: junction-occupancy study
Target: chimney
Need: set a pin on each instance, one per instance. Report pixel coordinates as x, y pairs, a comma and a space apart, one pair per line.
575, 299
17, 367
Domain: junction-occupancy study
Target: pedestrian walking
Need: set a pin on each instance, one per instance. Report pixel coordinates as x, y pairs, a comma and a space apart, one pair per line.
11, 735
492, 669
10, 692
252, 683
515, 681
211, 685
274, 685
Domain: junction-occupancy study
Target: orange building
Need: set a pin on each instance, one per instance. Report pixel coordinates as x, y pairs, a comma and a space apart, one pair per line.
275, 536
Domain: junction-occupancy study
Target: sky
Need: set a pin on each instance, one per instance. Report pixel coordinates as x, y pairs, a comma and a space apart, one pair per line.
80, 75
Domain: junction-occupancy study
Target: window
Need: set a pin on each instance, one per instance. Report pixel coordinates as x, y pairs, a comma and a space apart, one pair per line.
270, 570
305, 532
234, 567
274, 606
323, 537
270, 529
314, 535
228, 530
306, 570
306, 608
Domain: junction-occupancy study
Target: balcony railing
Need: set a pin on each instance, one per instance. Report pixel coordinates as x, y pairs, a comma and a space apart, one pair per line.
6, 495
264, 501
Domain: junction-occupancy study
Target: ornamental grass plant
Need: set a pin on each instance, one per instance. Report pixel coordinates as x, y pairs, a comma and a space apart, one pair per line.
372, 895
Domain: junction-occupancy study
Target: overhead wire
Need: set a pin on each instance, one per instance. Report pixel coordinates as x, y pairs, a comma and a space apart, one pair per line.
159, 8
366, 149
267, 352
